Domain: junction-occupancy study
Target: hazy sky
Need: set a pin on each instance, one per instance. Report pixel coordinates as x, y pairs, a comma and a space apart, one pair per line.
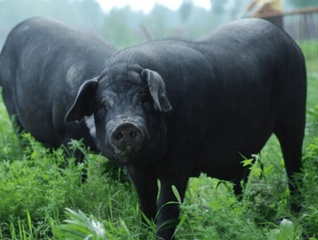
147, 5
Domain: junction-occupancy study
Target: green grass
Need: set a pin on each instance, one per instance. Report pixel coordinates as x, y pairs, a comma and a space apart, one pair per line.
42, 200
310, 50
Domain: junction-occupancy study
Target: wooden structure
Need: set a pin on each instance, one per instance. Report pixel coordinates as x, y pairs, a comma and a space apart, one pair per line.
300, 24
270, 10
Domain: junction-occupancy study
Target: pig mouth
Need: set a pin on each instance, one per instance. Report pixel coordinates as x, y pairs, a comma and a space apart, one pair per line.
127, 156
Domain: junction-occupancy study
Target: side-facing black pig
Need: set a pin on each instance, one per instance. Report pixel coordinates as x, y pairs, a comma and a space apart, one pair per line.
42, 65
170, 109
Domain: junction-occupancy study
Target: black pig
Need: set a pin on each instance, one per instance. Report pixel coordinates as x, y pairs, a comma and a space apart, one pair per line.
170, 109
42, 65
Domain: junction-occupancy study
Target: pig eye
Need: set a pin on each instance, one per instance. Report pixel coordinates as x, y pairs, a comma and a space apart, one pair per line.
146, 101
145, 98
101, 108
103, 103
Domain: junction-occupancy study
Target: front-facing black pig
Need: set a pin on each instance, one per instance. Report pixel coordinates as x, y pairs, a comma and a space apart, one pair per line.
170, 109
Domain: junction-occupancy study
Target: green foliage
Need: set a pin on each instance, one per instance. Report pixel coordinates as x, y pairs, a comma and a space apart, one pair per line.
39, 186
310, 50
116, 30
218, 7
309, 193
81, 13
312, 109
211, 211
122, 26
79, 226
185, 10
286, 230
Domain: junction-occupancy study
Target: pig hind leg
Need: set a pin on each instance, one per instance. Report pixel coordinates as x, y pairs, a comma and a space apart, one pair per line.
290, 133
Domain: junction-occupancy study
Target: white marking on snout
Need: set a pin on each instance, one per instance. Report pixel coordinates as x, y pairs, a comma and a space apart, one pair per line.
90, 123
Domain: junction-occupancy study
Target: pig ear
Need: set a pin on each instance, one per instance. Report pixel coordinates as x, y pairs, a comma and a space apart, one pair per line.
157, 90
82, 105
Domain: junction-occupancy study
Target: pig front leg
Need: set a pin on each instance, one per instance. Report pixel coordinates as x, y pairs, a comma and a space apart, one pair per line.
147, 189
168, 207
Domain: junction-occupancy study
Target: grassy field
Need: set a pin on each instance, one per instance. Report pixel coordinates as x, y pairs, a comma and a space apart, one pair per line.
310, 50
41, 200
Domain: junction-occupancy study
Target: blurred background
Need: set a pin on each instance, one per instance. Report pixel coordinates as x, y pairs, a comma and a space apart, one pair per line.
124, 23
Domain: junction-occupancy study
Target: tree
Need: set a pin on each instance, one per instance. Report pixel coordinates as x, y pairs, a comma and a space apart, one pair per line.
120, 27
185, 10
85, 14
218, 7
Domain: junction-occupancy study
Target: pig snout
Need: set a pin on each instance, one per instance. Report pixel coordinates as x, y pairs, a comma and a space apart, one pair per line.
126, 139
126, 134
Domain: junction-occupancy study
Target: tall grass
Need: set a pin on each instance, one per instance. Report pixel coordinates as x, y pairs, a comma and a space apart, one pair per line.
41, 199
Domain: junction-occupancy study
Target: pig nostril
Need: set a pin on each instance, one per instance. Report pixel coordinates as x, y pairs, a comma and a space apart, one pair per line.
119, 136
126, 136
133, 134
